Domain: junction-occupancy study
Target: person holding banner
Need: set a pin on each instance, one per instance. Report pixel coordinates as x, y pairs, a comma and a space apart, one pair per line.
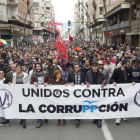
122, 75
4, 121
20, 77
95, 77
39, 78
77, 77
57, 80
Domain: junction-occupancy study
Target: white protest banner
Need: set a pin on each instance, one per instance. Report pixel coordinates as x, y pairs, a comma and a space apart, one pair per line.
67, 102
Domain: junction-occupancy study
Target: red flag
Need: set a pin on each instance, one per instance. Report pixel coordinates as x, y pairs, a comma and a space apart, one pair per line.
70, 38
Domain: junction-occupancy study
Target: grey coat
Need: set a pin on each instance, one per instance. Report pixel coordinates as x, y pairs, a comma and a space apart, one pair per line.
100, 78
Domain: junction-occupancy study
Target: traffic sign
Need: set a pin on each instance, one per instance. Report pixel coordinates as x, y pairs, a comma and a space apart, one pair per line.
36, 3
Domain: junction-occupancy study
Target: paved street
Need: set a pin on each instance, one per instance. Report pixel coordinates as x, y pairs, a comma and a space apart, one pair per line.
86, 131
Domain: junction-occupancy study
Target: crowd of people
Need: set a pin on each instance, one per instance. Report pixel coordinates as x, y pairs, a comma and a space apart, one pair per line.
88, 64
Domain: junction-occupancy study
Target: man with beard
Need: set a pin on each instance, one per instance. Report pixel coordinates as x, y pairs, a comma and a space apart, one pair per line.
50, 68
86, 66
136, 71
80, 55
122, 75
94, 77
39, 78
108, 69
76, 78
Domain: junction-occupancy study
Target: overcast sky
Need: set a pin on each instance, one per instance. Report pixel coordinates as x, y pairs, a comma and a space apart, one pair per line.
64, 10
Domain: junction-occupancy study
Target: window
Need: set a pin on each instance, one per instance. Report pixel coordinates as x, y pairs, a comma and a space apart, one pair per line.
136, 12
101, 10
36, 15
19, 12
1, 11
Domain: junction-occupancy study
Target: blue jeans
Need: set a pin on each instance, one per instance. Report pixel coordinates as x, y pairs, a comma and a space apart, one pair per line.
3, 119
39, 121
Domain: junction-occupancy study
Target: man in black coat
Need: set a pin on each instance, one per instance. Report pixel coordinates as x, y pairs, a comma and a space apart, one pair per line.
76, 78
95, 77
122, 75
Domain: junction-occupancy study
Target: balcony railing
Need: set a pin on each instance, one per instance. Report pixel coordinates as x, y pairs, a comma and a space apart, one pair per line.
13, 17
12, 2
118, 26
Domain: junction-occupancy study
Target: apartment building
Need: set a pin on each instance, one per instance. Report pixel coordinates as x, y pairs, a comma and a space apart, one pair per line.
95, 10
134, 36
13, 29
44, 12
3, 13
77, 21
81, 19
119, 16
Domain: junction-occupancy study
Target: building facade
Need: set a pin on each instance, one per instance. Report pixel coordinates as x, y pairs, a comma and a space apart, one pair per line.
13, 29
119, 17
44, 12
95, 10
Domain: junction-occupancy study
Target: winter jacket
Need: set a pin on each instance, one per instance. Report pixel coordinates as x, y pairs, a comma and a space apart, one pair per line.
100, 78
25, 78
61, 82
55, 68
71, 78
119, 77
108, 71
34, 78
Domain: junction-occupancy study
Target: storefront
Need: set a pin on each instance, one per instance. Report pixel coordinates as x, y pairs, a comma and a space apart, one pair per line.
119, 35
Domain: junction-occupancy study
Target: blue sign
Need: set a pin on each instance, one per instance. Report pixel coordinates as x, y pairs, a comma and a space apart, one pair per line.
36, 3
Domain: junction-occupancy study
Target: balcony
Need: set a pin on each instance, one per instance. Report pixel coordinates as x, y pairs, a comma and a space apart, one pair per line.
12, 2
123, 24
13, 17
119, 5
3, 18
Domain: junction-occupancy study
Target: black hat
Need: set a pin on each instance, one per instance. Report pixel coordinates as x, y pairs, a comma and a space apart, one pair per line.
94, 62
68, 64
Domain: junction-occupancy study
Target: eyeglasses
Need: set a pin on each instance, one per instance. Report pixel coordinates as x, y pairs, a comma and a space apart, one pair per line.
100, 64
94, 65
76, 58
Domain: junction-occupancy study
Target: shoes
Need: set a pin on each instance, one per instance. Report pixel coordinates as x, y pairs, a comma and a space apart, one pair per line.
64, 122
99, 124
94, 121
124, 119
2, 123
77, 121
39, 125
21, 122
7, 123
45, 120
117, 122
59, 122
24, 123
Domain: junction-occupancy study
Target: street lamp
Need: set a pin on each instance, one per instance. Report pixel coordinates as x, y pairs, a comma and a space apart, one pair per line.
37, 26
105, 23
35, 3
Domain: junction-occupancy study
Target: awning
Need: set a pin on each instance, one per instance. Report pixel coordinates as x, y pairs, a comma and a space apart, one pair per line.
133, 33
